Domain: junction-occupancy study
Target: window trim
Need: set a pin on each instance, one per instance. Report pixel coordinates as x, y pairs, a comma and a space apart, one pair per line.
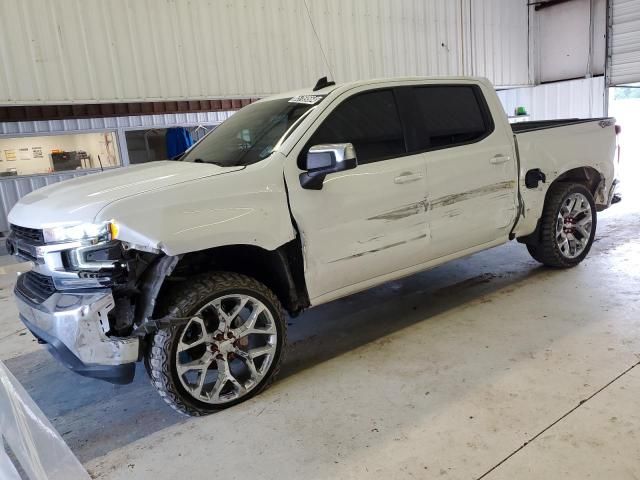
485, 111
403, 125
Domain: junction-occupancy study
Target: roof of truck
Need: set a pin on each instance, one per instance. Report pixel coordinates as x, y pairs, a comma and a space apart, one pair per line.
359, 83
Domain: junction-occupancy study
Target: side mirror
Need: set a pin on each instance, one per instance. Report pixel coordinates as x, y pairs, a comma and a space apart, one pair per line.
322, 160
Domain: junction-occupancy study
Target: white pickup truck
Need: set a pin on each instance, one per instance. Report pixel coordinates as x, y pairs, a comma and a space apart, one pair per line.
294, 201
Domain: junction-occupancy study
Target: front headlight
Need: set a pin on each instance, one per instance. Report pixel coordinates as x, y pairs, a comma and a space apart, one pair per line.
91, 232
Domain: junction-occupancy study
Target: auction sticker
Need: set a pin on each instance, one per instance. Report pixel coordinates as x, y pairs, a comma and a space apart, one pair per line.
306, 99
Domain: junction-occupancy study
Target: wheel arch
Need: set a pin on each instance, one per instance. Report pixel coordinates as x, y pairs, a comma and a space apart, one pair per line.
587, 176
281, 270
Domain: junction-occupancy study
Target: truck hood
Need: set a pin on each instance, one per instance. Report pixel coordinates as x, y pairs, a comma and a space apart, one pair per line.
80, 199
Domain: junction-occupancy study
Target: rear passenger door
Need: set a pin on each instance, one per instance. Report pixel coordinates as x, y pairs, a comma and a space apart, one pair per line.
471, 168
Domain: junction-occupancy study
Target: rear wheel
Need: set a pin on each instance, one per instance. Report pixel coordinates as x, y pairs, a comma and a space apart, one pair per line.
567, 228
230, 350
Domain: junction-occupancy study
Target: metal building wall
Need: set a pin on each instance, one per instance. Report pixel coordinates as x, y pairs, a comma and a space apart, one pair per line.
499, 42
624, 42
60, 51
582, 98
570, 39
16, 129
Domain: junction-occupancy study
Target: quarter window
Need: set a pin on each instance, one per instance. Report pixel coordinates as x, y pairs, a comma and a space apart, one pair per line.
370, 121
450, 115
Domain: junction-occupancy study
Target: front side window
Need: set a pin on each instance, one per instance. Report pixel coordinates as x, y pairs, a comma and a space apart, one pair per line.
249, 135
450, 115
370, 121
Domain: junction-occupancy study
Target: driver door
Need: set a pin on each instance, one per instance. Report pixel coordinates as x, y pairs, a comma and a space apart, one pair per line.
368, 222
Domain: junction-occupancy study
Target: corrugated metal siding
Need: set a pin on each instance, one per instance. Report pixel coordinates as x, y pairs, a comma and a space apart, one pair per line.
571, 99
13, 189
366, 38
500, 41
624, 42
60, 51
112, 123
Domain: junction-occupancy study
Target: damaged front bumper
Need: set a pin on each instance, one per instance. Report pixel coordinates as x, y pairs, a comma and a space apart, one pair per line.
71, 324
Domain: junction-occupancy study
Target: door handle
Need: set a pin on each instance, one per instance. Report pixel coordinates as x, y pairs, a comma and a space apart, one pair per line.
499, 158
407, 177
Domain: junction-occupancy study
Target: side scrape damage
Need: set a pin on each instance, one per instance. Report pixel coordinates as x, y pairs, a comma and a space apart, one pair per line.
425, 205
477, 192
403, 212
379, 249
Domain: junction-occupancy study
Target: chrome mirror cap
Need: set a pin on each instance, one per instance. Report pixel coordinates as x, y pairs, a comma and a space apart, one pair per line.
324, 159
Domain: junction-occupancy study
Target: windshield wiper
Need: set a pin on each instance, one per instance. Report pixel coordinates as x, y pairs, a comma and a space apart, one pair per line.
199, 160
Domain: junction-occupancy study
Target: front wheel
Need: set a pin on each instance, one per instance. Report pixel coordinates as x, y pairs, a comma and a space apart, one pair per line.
567, 226
230, 349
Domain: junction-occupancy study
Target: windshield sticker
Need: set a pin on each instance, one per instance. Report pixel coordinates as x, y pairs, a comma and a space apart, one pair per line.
306, 99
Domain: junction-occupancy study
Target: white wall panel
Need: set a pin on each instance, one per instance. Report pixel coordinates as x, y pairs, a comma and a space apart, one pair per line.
624, 42
500, 41
571, 39
64, 51
570, 99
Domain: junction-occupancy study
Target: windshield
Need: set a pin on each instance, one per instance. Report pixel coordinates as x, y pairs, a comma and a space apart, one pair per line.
249, 135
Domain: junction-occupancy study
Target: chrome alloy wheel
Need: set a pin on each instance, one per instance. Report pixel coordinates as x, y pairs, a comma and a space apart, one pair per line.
226, 349
573, 225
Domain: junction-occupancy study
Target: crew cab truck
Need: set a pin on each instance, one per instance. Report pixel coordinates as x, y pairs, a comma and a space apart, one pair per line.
294, 201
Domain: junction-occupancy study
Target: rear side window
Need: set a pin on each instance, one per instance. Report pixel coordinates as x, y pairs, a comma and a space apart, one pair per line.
451, 115
370, 121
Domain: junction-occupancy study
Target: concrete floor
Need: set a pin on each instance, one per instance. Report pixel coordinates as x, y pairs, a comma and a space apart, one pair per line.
489, 367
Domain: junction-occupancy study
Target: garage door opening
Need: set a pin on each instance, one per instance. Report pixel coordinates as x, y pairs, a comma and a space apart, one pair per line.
624, 105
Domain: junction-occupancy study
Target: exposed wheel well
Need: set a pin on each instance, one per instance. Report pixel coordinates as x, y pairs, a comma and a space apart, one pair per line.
587, 176
281, 270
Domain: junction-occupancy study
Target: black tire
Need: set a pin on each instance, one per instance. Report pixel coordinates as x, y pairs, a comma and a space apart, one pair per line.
187, 299
546, 251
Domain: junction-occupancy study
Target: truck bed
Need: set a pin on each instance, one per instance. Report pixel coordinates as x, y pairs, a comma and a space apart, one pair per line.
577, 144
521, 127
